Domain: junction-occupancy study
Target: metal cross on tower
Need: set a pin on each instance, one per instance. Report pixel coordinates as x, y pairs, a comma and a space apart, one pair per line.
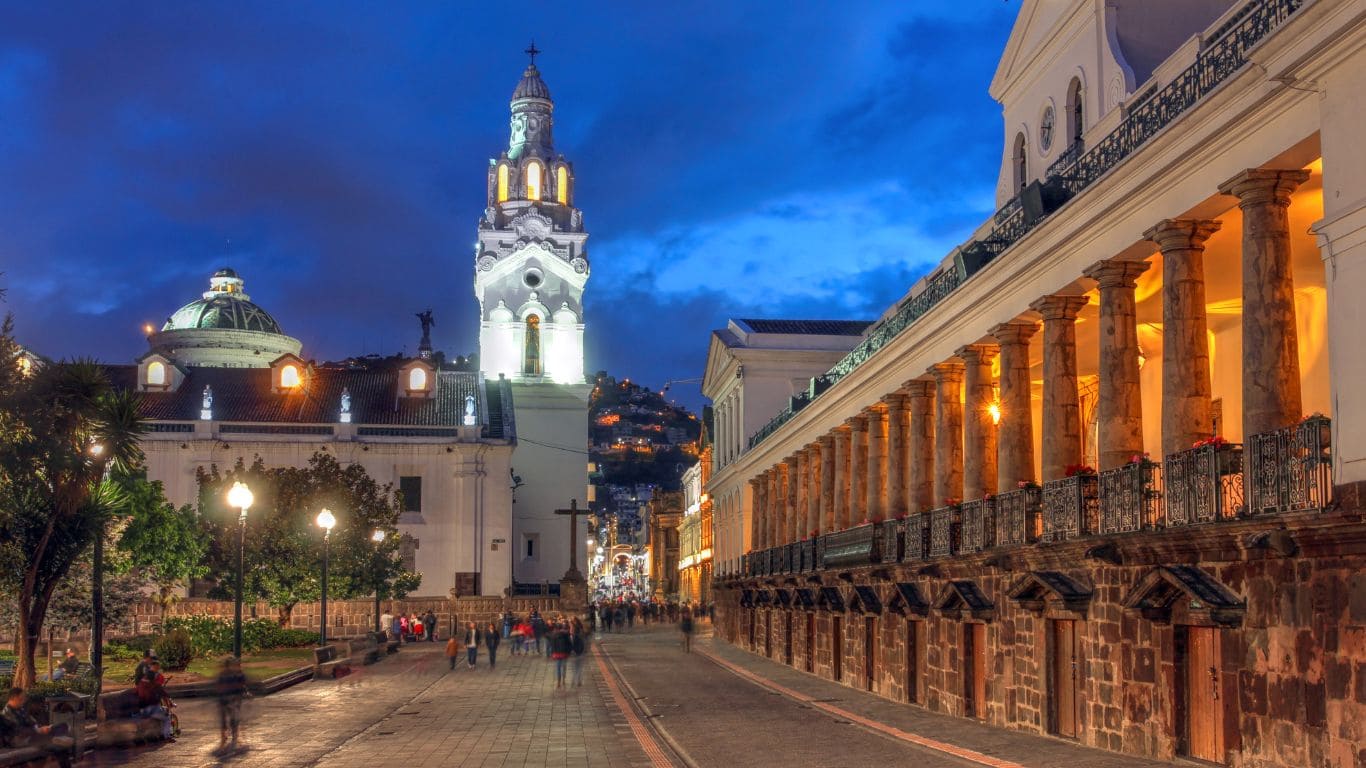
532, 51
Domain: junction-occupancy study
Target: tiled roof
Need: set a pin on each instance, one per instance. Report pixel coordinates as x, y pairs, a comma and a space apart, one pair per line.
809, 327
245, 395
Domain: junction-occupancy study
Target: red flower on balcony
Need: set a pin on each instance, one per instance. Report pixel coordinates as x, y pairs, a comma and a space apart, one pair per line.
1072, 470
1139, 458
1027, 485
813, 534
1217, 441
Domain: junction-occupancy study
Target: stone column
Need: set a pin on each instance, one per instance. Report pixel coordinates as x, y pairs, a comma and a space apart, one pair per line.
813, 489
948, 431
1061, 405
775, 508
826, 516
920, 474
1119, 401
858, 469
1015, 433
801, 528
876, 502
979, 428
758, 490
841, 507
897, 422
1187, 414
792, 473
1271, 357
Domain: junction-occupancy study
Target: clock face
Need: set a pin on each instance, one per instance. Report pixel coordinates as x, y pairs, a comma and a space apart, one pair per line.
1046, 128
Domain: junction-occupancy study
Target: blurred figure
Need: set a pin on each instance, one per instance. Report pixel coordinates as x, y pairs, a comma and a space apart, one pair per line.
472, 642
578, 646
231, 687
685, 626
452, 651
155, 702
19, 729
491, 640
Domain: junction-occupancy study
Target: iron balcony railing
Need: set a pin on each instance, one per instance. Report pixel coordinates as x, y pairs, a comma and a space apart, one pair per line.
1290, 469
979, 525
945, 530
891, 542
1019, 516
1071, 507
1131, 497
915, 537
1203, 484
1224, 53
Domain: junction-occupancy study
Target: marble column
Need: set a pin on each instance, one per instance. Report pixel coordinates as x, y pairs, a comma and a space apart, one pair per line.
1015, 433
1119, 396
898, 418
1271, 359
825, 516
920, 472
792, 470
775, 507
758, 490
813, 489
800, 529
979, 428
858, 469
1061, 404
876, 484
1187, 414
948, 431
842, 487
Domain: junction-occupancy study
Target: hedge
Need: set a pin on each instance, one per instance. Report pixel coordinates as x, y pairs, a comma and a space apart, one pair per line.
212, 636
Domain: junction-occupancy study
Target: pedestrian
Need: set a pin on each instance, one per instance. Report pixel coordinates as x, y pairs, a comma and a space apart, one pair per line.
507, 623
386, 622
231, 687
19, 729
578, 645
517, 636
452, 651
396, 629
153, 699
402, 627
491, 640
685, 626
607, 618
419, 632
560, 649
148, 656
538, 630
429, 622
619, 617
472, 642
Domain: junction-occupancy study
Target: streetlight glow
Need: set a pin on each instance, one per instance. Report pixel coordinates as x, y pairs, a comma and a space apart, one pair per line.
377, 536
326, 520
240, 496
97, 449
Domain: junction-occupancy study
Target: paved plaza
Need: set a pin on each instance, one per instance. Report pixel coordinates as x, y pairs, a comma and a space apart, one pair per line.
643, 703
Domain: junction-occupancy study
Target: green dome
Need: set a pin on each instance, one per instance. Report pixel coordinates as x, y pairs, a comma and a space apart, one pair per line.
223, 311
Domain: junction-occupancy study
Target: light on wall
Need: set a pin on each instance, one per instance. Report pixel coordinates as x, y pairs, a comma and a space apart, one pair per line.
995, 410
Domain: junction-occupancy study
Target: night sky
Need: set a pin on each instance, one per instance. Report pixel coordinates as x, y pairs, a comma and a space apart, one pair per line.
773, 159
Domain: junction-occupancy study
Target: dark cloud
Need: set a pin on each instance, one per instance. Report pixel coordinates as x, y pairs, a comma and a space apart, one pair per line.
732, 158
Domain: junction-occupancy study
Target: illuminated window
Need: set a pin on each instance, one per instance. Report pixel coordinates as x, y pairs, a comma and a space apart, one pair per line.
502, 183
289, 376
533, 180
562, 185
156, 374
417, 379
531, 363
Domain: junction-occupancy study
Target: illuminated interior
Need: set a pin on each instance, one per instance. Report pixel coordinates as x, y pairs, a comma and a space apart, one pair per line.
289, 376
533, 180
417, 379
502, 183
562, 185
156, 374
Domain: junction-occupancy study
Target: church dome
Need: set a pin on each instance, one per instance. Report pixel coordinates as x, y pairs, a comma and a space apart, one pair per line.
223, 306
223, 328
531, 86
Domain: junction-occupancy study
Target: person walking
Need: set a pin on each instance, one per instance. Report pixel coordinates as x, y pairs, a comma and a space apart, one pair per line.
685, 626
472, 642
452, 651
491, 640
560, 648
607, 618
429, 623
538, 629
396, 629
231, 687
578, 646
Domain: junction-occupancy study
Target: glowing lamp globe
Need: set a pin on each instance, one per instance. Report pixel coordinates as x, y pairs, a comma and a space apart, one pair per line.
326, 520
240, 496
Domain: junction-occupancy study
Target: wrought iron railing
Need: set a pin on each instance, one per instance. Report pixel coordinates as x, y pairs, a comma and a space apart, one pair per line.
979, 525
1203, 484
820, 552
1070, 507
1224, 53
807, 548
1131, 497
852, 547
1290, 470
891, 540
915, 537
1019, 516
945, 531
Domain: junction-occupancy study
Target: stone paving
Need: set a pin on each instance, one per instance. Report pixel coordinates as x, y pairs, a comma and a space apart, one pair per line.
643, 703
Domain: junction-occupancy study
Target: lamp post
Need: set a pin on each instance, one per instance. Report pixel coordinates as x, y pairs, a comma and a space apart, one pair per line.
239, 496
97, 583
325, 521
378, 538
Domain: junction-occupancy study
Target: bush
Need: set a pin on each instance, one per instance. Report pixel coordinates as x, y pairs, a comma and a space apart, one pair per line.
212, 636
116, 651
174, 649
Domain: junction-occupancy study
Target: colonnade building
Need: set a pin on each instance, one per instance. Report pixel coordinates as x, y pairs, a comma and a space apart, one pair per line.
1099, 473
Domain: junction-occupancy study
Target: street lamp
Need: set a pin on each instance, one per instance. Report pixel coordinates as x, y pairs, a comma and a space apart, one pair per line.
239, 496
325, 521
378, 538
97, 580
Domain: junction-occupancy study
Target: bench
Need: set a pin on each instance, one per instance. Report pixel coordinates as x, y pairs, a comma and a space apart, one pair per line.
121, 721
22, 756
364, 649
7, 667
328, 663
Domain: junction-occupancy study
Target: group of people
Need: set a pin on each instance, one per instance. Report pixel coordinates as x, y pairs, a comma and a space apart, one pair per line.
619, 616
149, 684
565, 642
411, 627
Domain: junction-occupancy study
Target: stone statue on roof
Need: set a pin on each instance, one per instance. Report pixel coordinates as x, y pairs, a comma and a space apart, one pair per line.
424, 348
469, 410
207, 402
346, 400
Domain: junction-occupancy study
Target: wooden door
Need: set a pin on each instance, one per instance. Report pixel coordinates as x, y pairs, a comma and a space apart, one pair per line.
837, 646
787, 637
810, 642
974, 670
1204, 710
912, 662
1063, 677
870, 651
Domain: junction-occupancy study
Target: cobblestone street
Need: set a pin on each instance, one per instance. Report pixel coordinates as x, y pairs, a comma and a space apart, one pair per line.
716, 707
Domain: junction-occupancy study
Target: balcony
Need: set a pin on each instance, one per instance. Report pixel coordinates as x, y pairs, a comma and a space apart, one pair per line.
1204, 484
807, 555
852, 547
979, 525
1071, 507
945, 530
1131, 497
891, 535
1019, 516
915, 537
1290, 470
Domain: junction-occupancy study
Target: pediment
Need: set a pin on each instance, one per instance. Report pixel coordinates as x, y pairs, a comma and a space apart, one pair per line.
907, 600
1188, 592
719, 360
830, 599
963, 599
865, 600
1035, 25
1040, 590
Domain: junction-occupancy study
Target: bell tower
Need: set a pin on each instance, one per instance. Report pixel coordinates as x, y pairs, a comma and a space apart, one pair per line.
530, 262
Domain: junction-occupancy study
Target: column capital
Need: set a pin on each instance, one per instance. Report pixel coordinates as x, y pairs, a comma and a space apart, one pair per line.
791, 461
876, 410
826, 441
948, 371
918, 388
856, 423
1116, 273
1257, 186
840, 430
1059, 306
977, 354
1181, 234
896, 402
1015, 332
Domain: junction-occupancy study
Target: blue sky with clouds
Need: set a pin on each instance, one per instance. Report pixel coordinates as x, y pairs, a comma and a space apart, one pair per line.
733, 158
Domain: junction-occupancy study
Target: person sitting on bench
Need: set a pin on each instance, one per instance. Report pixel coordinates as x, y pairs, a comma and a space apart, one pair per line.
19, 729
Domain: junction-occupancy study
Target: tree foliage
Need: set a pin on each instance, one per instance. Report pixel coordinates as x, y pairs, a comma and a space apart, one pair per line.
283, 547
163, 544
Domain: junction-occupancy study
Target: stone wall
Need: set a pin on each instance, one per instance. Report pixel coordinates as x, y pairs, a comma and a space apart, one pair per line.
1291, 677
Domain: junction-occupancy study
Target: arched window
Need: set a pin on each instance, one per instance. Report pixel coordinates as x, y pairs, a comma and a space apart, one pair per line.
502, 183
156, 374
533, 180
1076, 117
531, 359
562, 185
417, 379
289, 376
1019, 162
